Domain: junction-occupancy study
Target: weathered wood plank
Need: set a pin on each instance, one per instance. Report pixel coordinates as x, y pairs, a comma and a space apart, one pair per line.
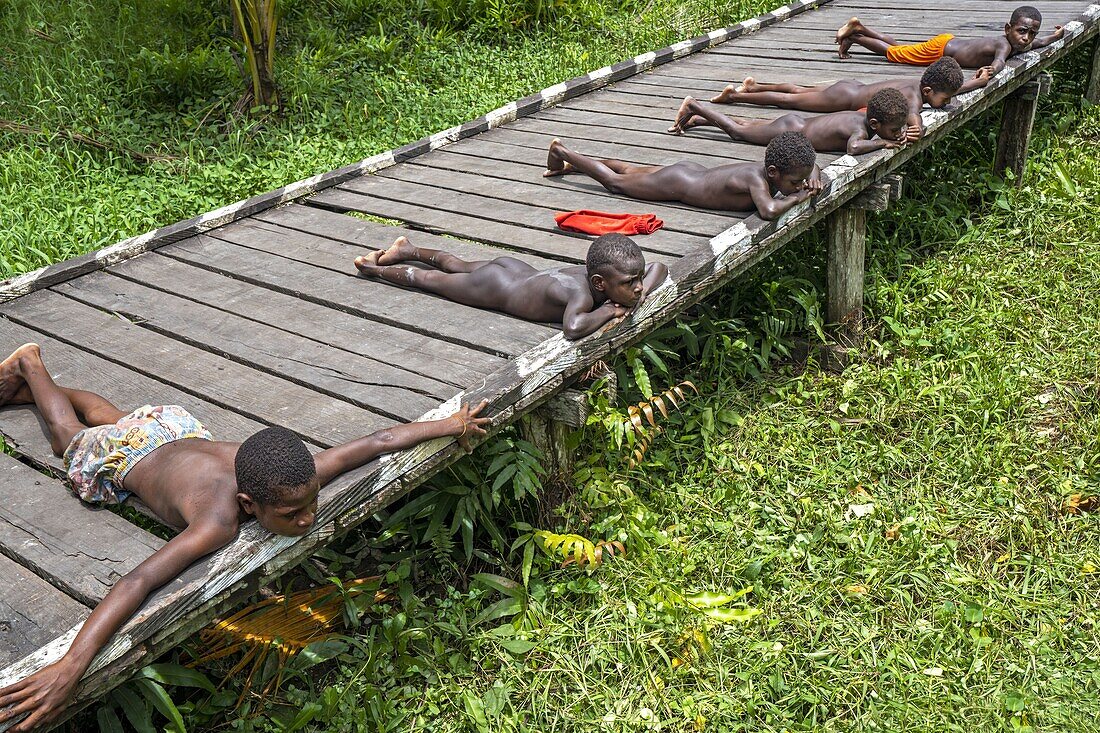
32, 612
78, 549
501, 150
393, 393
579, 133
516, 214
1014, 136
667, 242
359, 233
261, 396
443, 361
537, 373
1092, 86
582, 193
387, 303
847, 238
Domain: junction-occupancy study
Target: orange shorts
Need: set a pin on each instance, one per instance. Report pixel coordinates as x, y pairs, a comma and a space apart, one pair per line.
920, 54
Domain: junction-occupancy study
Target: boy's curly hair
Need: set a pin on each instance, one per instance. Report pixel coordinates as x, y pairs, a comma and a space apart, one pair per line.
944, 76
271, 459
1025, 11
613, 250
789, 151
888, 106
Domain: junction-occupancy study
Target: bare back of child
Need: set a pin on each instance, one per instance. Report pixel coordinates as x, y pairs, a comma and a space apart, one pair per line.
613, 280
988, 53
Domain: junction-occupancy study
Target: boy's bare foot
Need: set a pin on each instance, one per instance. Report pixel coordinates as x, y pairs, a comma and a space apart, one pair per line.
12, 387
852, 27
845, 46
556, 165
400, 251
748, 85
683, 115
726, 96
368, 264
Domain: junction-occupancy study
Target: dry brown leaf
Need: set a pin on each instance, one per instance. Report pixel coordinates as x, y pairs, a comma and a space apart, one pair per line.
1080, 504
893, 532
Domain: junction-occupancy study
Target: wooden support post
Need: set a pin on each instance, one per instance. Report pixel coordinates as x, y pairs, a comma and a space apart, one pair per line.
847, 249
1092, 87
1016, 122
548, 428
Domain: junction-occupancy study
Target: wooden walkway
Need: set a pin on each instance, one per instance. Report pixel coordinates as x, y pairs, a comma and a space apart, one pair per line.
252, 316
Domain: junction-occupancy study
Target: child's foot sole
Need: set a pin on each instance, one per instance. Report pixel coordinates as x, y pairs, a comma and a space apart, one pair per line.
400, 251
682, 116
726, 96
852, 26
13, 388
556, 165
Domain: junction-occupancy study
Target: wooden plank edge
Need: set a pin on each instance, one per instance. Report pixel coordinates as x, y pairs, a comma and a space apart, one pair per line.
66, 270
521, 385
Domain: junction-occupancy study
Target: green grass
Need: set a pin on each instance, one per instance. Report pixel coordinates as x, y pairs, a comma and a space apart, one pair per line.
900, 524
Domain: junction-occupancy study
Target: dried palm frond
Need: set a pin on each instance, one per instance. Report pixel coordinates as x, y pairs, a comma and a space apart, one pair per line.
282, 625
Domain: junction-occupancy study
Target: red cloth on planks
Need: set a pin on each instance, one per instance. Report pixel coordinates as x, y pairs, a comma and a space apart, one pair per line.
601, 222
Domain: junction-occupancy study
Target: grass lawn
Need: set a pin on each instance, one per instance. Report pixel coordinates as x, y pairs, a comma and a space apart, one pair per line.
906, 545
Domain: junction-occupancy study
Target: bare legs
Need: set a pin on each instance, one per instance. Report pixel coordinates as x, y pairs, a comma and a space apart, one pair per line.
646, 182
758, 132
25, 380
470, 283
855, 32
752, 86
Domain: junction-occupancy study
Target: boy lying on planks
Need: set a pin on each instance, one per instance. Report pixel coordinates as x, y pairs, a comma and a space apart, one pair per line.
940, 81
166, 457
613, 280
988, 54
883, 125
789, 168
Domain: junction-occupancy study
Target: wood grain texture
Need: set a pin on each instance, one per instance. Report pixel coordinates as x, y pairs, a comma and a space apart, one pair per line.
79, 549
32, 612
441, 361
261, 396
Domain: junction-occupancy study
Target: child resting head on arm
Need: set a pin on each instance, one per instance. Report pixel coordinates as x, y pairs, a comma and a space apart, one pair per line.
612, 282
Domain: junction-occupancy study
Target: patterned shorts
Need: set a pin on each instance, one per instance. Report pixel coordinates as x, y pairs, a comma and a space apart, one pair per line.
98, 458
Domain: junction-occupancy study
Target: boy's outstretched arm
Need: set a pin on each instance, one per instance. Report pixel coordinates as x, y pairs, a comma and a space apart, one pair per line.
44, 694
1044, 42
464, 424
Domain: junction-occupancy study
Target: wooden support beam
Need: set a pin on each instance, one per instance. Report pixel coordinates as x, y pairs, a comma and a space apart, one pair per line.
1092, 87
847, 228
549, 426
1016, 122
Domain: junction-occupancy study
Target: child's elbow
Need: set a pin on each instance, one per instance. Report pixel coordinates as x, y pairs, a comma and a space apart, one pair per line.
572, 332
